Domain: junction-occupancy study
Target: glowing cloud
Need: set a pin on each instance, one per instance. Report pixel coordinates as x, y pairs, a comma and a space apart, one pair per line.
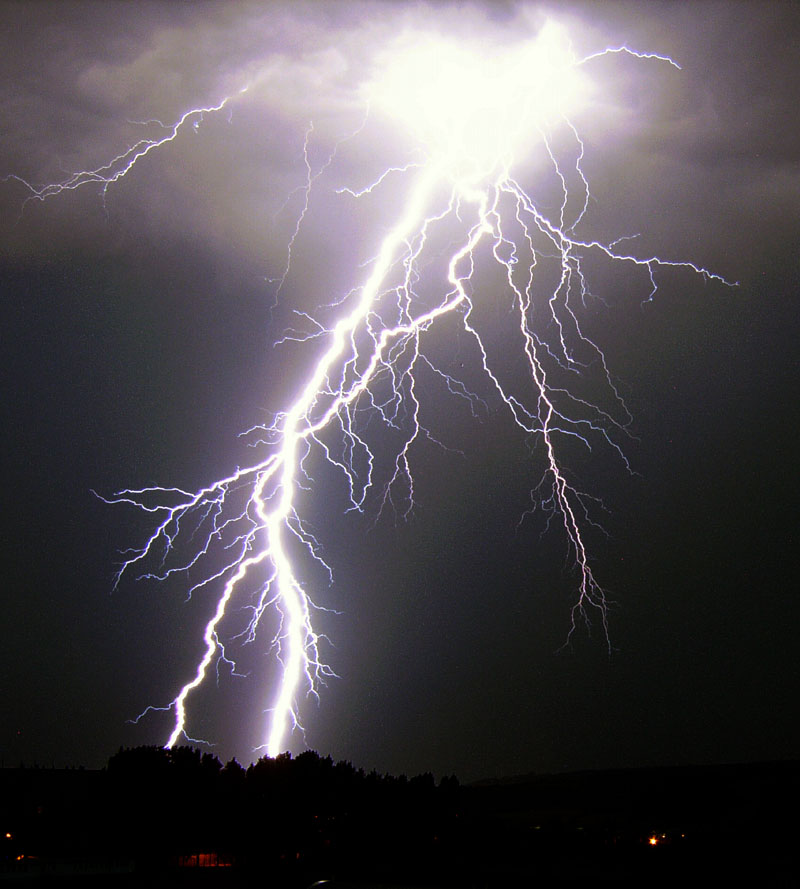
477, 103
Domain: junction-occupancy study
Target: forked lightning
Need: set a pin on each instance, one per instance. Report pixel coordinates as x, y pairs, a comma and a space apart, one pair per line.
474, 115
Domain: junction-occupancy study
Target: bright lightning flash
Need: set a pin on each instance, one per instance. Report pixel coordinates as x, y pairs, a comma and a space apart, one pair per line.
473, 113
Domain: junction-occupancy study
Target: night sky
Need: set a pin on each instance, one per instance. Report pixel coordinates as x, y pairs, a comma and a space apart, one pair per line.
138, 335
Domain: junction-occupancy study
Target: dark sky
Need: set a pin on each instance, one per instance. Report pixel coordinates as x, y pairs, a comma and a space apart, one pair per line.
138, 340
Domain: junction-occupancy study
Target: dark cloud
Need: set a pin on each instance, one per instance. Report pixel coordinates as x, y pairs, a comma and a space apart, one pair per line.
138, 334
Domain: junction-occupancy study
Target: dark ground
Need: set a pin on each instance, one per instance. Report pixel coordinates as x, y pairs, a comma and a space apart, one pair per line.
123, 828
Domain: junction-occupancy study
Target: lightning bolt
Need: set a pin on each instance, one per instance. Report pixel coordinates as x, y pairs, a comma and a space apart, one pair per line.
472, 117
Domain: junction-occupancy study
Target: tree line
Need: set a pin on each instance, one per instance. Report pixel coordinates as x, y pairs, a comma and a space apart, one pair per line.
296, 816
